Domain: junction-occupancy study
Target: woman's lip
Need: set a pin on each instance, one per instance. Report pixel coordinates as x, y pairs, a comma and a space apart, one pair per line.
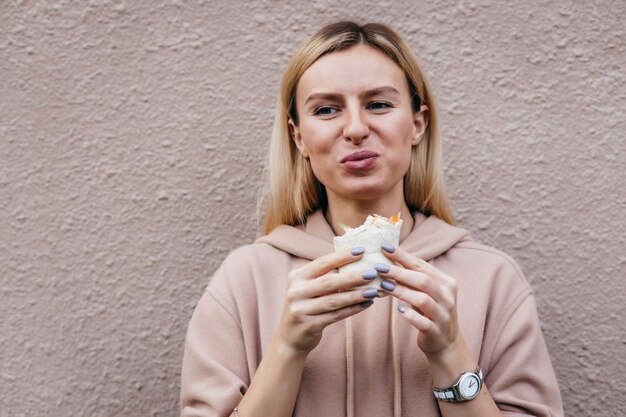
360, 164
358, 156
359, 161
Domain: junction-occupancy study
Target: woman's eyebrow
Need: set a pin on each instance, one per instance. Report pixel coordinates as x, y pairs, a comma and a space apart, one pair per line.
379, 90
324, 96
365, 94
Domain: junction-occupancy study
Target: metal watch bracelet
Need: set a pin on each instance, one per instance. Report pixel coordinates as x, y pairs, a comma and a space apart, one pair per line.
466, 388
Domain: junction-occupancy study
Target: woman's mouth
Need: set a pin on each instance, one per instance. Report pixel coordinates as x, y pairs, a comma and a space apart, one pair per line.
359, 160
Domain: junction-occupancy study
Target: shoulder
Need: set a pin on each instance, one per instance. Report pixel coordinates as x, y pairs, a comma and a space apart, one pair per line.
485, 272
251, 283
253, 256
249, 267
491, 258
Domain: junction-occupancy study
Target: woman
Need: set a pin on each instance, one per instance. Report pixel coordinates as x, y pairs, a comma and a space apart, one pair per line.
280, 332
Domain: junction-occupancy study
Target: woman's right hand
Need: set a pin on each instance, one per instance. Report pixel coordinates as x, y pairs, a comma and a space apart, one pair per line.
317, 297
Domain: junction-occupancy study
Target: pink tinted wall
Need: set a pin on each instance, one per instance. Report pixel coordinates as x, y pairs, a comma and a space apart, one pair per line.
132, 137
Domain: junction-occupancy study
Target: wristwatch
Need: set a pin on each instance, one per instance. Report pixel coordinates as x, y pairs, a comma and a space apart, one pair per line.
466, 388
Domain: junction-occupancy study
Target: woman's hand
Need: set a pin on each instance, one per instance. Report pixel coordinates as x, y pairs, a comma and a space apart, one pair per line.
317, 297
430, 297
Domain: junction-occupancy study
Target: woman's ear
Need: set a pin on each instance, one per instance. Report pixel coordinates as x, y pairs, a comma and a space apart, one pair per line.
294, 132
420, 123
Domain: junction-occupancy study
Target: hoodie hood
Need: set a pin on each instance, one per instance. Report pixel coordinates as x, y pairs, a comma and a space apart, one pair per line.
429, 238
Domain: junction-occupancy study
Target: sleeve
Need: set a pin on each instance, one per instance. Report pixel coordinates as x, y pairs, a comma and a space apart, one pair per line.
214, 373
520, 377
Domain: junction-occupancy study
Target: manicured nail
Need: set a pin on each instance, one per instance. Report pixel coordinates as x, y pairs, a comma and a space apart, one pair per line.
388, 285
401, 308
388, 247
370, 293
359, 250
369, 274
381, 267
366, 304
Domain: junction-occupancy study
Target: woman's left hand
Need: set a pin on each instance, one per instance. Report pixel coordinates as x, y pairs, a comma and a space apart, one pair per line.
430, 297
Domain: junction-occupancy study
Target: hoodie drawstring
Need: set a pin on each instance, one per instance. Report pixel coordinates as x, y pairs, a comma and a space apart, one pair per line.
349, 369
397, 376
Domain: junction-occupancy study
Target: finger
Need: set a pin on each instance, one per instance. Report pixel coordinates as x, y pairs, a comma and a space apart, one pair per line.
325, 319
417, 280
336, 301
333, 282
327, 263
418, 321
419, 300
412, 262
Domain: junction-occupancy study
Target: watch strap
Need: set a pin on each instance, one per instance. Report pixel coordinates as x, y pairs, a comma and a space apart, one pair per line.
452, 394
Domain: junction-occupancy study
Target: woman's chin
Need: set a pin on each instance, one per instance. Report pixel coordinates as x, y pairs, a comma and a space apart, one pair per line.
368, 193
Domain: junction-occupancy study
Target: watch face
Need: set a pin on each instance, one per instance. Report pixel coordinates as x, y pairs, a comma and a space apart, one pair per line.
469, 385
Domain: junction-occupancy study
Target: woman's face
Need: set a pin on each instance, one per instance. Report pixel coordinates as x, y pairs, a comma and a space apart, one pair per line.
356, 123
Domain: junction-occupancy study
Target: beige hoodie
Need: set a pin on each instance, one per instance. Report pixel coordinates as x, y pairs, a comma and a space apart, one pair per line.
375, 367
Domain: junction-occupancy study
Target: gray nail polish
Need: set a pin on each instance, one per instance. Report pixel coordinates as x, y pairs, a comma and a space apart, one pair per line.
370, 293
388, 285
359, 250
381, 267
401, 308
366, 304
369, 274
388, 247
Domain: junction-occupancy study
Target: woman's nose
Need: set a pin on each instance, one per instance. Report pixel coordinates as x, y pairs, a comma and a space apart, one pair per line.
356, 128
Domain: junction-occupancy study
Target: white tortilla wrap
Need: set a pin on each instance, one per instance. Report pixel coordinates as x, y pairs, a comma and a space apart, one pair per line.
370, 235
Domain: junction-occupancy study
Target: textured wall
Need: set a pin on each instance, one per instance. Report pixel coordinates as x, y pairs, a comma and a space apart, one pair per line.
132, 136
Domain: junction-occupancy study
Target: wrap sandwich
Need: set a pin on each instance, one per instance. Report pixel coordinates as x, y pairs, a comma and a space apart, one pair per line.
370, 235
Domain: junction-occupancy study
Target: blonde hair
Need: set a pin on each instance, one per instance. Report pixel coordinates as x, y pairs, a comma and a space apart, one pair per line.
293, 192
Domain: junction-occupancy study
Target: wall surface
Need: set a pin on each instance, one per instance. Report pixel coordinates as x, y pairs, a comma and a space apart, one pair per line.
132, 137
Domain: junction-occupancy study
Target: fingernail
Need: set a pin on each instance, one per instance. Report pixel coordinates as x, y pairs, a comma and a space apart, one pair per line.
369, 274
359, 250
366, 304
401, 308
388, 247
388, 285
381, 267
370, 293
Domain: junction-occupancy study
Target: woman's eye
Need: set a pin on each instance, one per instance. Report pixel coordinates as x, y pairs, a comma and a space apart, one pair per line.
379, 105
325, 111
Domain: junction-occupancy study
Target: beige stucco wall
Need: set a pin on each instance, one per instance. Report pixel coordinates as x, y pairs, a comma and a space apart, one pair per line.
132, 135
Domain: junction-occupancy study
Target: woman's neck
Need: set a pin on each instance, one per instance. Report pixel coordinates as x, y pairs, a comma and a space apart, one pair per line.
353, 213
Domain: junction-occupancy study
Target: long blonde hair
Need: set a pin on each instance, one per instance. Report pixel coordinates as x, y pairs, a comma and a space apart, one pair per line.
293, 192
